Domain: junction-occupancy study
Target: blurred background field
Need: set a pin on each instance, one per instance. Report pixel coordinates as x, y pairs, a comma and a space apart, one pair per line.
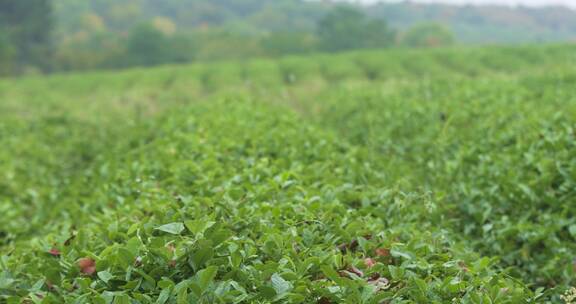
63, 35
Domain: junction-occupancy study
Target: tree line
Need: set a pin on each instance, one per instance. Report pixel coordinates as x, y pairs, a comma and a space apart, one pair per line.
25, 35
32, 39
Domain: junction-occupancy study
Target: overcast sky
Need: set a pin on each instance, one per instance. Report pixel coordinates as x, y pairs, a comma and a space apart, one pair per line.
571, 3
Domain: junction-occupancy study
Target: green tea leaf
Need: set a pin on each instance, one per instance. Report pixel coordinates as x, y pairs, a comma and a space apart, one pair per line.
280, 285
172, 228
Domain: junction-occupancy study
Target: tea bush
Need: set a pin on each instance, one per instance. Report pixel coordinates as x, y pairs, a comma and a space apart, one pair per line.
445, 176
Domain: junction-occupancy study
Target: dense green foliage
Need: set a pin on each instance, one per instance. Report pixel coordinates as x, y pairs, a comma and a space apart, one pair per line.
346, 28
445, 176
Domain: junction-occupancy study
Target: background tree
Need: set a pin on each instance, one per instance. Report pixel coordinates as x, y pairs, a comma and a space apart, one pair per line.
7, 53
281, 43
28, 25
346, 28
147, 45
427, 35
90, 51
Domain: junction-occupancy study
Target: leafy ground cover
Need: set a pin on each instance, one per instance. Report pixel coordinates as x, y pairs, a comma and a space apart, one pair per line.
445, 176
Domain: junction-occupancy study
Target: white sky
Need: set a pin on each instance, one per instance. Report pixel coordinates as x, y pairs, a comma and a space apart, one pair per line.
571, 3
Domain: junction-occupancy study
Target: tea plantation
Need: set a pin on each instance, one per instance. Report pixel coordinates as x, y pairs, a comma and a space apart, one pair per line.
444, 176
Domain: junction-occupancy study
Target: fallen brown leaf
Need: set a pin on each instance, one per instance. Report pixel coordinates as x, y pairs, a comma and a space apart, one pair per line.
369, 262
54, 252
87, 266
382, 252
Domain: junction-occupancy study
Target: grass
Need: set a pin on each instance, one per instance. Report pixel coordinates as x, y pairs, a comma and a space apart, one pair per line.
370, 177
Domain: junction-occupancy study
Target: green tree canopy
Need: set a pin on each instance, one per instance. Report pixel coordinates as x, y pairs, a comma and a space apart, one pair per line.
7, 53
346, 28
147, 46
28, 27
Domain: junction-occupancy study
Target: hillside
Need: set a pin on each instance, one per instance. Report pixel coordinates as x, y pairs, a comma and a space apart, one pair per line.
472, 24
487, 24
51, 36
365, 177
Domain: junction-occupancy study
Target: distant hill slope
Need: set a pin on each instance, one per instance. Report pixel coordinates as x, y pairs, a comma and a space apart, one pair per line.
487, 24
472, 24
